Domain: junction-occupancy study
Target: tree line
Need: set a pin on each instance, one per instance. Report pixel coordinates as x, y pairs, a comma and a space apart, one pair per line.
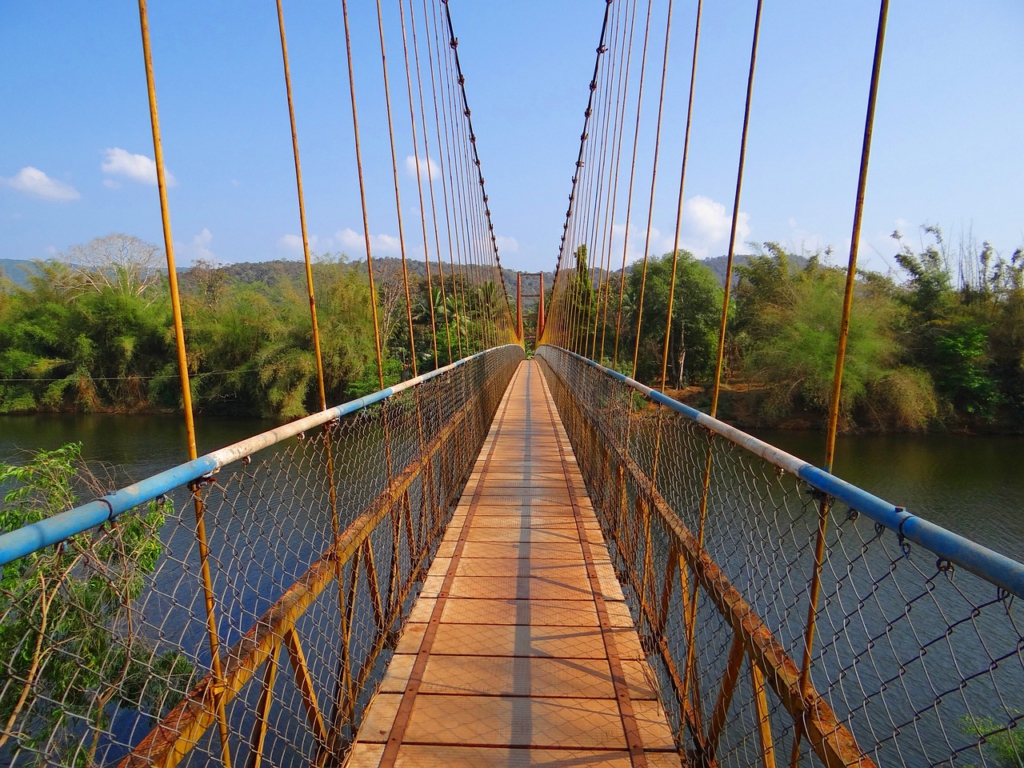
936, 343
92, 332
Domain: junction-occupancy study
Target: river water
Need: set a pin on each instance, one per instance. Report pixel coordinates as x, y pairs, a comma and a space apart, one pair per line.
136, 446
970, 484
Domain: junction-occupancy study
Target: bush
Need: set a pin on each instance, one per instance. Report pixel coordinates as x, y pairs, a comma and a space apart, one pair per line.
70, 642
903, 398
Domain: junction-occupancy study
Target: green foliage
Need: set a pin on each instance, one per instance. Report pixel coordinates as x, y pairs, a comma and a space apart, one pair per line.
903, 398
790, 324
63, 344
696, 313
1005, 745
971, 337
91, 339
961, 362
919, 352
70, 644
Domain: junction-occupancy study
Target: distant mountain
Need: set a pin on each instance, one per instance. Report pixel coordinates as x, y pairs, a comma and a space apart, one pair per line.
17, 271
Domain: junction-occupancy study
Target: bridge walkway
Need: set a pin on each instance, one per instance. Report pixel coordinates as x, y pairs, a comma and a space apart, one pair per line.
520, 650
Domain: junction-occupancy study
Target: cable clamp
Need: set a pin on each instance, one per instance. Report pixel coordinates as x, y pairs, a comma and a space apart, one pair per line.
904, 544
110, 508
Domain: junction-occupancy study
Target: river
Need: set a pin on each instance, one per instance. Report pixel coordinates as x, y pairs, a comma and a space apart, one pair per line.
135, 446
970, 484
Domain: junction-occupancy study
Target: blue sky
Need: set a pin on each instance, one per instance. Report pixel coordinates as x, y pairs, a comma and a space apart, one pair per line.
75, 141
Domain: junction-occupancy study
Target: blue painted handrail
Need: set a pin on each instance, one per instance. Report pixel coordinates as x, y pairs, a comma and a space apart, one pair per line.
59, 527
999, 570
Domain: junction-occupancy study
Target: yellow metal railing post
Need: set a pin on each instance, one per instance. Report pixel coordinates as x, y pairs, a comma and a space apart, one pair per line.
186, 391
837, 381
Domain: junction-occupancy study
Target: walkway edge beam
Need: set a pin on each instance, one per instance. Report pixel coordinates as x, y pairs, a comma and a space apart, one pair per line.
1003, 572
55, 529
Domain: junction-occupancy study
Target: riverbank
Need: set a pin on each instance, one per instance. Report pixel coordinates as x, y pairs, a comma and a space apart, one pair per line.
742, 405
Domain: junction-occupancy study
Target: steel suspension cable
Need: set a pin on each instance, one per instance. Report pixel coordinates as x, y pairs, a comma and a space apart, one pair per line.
459, 204
837, 381
654, 177
689, 673
464, 144
579, 229
328, 447
682, 187
632, 178
720, 355
459, 176
476, 154
362, 193
430, 175
604, 230
398, 196
430, 20
575, 179
624, 86
591, 226
302, 210
209, 599
609, 212
419, 182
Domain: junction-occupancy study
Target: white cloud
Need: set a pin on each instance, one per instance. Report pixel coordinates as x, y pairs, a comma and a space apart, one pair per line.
198, 248
354, 241
507, 244
31, 181
139, 168
657, 244
704, 232
428, 168
293, 243
707, 224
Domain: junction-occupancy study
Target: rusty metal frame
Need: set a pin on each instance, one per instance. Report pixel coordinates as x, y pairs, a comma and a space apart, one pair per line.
831, 740
405, 707
180, 730
630, 727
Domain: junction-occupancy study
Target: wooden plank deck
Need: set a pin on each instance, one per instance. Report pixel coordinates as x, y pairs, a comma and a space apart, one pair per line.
520, 650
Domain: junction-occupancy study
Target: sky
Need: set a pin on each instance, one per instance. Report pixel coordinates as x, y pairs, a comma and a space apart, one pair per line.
76, 149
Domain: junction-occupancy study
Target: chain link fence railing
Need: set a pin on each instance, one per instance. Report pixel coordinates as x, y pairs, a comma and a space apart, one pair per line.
239, 609
918, 652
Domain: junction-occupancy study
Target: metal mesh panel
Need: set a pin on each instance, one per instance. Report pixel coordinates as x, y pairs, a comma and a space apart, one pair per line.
914, 662
317, 549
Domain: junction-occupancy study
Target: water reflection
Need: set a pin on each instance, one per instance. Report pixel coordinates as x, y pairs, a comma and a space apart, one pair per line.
972, 485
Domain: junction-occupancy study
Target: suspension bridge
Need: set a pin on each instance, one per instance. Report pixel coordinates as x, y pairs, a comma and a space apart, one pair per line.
508, 559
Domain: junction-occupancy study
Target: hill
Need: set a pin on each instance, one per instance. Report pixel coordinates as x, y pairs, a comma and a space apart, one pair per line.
17, 271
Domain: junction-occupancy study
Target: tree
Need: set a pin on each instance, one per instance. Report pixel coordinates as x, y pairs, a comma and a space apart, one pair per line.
71, 641
579, 301
693, 333
790, 324
122, 263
